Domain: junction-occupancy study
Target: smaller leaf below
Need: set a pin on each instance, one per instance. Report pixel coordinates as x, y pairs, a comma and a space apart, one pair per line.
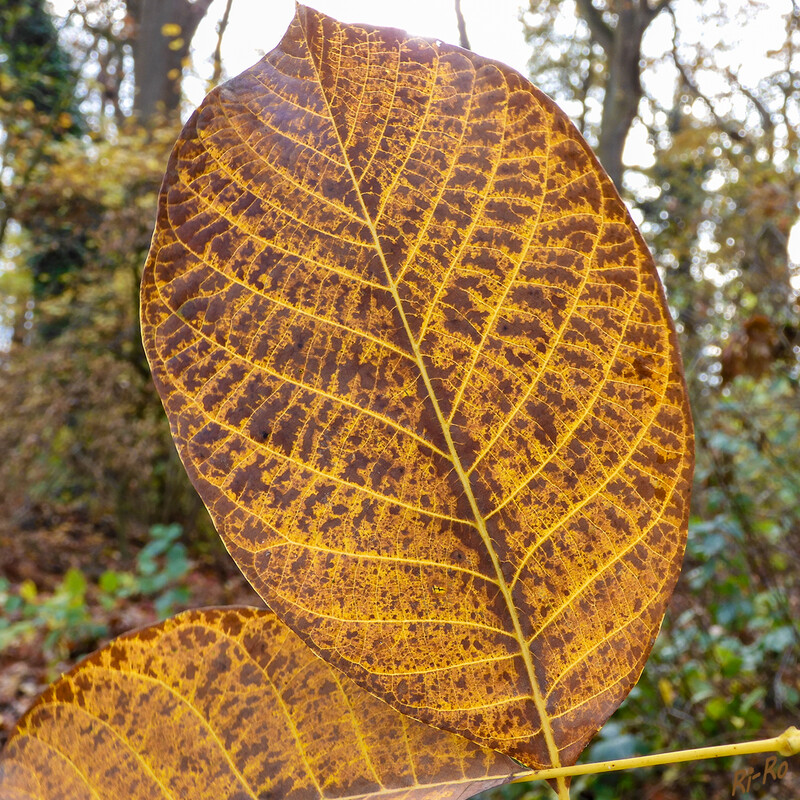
228, 703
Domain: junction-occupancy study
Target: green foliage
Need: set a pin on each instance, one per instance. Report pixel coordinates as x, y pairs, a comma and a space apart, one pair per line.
38, 109
35, 69
63, 616
80, 422
64, 619
161, 566
726, 661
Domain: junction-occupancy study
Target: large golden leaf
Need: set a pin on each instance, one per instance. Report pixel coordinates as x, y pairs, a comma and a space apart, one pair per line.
418, 364
228, 704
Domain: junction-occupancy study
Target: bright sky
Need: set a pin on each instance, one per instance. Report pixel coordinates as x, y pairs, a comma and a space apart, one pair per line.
494, 28
256, 26
742, 42
495, 31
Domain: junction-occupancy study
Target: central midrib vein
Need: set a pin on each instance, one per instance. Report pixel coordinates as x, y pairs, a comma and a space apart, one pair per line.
480, 523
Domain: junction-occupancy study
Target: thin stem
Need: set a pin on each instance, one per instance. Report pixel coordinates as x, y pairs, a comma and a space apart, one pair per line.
463, 39
787, 744
217, 58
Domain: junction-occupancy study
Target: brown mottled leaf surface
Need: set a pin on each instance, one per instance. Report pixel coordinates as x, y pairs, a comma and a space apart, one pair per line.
229, 704
418, 363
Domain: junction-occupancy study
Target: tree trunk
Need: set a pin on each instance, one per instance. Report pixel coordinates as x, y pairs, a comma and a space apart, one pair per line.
163, 36
623, 93
622, 44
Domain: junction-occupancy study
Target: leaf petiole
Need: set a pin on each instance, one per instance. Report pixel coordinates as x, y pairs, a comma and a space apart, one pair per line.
787, 744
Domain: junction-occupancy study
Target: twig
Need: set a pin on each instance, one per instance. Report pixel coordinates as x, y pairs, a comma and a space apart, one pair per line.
463, 39
221, 28
767, 125
691, 85
787, 744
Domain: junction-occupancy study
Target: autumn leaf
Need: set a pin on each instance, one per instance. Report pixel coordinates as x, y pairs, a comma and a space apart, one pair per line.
418, 363
228, 703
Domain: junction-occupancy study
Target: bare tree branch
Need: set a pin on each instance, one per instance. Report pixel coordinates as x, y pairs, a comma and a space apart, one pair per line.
689, 82
763, 112
221, 28
652, 11
602, 33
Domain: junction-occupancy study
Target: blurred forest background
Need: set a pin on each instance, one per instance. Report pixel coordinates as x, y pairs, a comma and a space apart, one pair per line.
99, 528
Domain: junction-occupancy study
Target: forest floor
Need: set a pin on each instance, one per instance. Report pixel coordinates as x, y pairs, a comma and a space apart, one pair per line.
56, 625
56, 628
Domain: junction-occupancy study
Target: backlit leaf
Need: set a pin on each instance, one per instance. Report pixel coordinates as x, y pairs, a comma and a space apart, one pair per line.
228, 704
418, 364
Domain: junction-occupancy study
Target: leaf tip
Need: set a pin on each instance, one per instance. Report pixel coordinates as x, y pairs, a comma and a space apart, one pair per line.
301, 11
